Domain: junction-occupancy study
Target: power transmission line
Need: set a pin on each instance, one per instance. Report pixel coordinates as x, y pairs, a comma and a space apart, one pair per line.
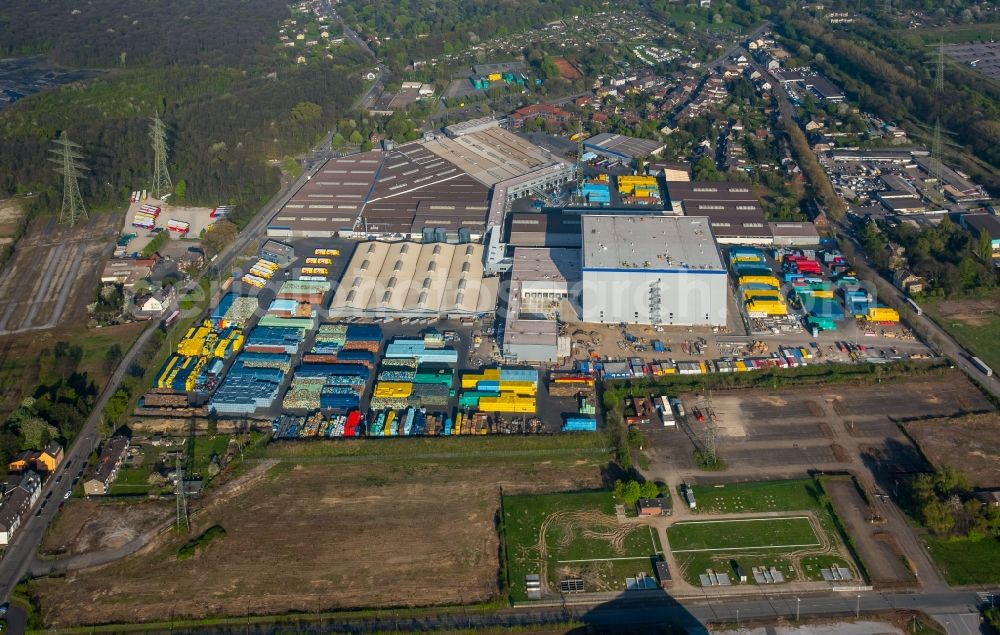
67, 156
935, 163
181, 496
161, 176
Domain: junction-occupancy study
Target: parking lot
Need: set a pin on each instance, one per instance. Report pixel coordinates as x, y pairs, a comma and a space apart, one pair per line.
793, 432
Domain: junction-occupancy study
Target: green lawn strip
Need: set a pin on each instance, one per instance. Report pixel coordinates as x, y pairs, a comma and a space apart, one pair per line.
964, 561
204, 448
523, 516
762, 496
981, 340
780, 533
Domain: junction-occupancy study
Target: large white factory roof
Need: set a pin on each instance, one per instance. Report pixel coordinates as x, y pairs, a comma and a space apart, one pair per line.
649, 243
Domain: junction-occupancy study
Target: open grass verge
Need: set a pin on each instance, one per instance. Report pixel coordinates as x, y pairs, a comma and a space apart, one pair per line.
438, 447
760, 496
964, 561
745, 534
980, 337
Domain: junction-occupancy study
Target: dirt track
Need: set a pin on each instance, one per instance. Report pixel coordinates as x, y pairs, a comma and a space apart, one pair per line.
320, 536
878, 550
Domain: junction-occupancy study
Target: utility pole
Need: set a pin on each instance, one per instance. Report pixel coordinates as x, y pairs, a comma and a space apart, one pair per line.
935, 163
66, 155
180, 495
161, 176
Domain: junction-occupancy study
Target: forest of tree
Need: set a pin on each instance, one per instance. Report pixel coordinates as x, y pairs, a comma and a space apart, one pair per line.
109, 33
415, 29
895, 80
210, 70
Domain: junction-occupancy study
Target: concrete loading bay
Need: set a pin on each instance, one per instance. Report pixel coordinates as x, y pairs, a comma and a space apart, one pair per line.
54, 272
608, 341
833, 430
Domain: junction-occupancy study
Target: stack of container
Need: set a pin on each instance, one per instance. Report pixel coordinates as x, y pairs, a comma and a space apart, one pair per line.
419, 350
430, 394
596, 193
639, 189
146, 216
312, 291
239, 312
251, 383
270, 339
179, 374
366, 337
339, 397
219, 312
330, 338
580, 424
302, 324
501, 390
290, 308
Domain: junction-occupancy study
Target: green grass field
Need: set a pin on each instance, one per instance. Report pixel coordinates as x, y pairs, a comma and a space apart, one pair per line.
749, 534
762, 496
582, 539
954, 34
981, 340
754, 543
204, 448
967, 562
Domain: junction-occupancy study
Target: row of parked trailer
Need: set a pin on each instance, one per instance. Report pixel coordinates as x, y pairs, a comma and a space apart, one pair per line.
784, 357
261, 271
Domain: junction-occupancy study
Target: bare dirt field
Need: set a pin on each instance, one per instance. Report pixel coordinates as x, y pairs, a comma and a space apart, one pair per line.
972, 311
878, 549
11, 214
968, 443
53, 273
92, 525
321, 535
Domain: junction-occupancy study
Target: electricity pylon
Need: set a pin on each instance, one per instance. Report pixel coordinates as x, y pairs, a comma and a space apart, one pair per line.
66, 155
161, 176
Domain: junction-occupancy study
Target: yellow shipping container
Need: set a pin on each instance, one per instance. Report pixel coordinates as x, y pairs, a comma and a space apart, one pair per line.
768, 280
507, 403
765, 307
750, 294
519, 387
469, 380
494, 77
883, 314
824, 294
393, 389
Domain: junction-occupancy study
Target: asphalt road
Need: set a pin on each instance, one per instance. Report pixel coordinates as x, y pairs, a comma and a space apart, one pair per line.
20, 551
